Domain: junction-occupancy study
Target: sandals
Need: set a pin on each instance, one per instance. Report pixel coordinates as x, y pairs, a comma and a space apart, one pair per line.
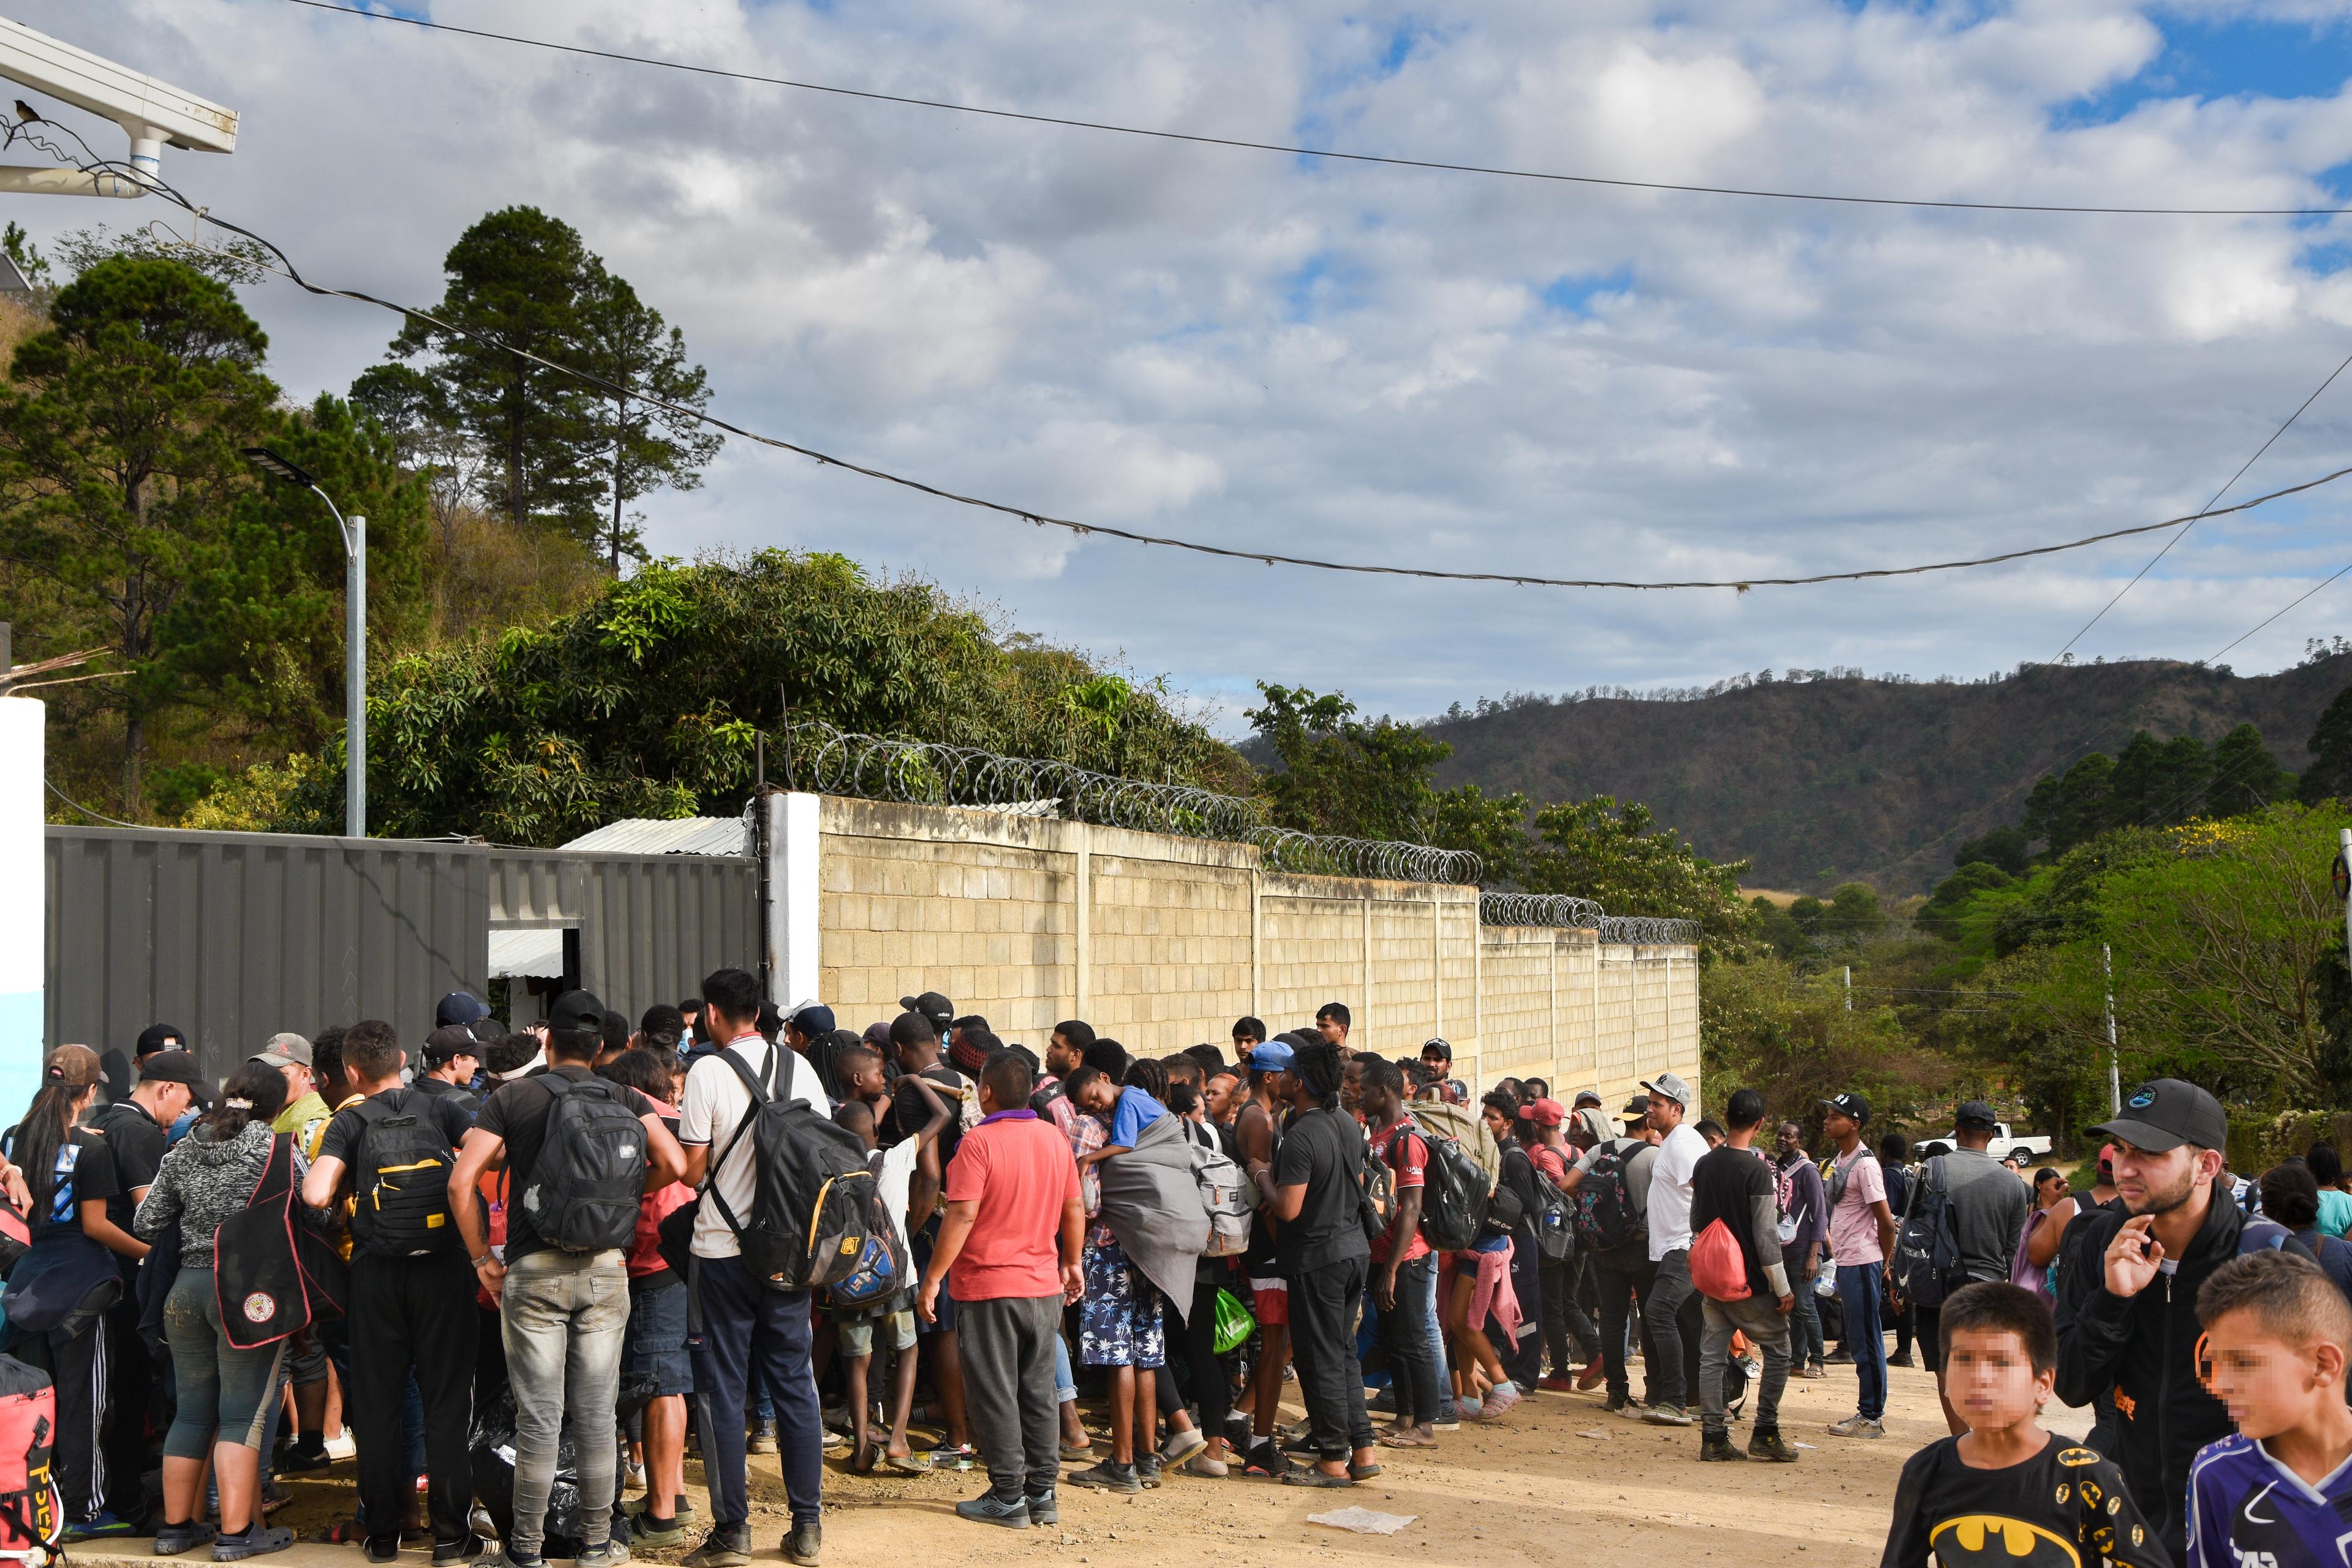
862, 1461
1406, 1440
909, 1463
1357, 1472
1310, 1475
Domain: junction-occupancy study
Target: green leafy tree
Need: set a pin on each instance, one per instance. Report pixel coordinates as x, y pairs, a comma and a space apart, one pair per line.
522, 279
2157, 784
647, 441
121, 467
2329, 777
2007, 848
2246, 777
1597, 848
1766, 1025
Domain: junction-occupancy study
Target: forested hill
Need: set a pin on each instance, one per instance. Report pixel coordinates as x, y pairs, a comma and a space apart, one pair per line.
1821, 781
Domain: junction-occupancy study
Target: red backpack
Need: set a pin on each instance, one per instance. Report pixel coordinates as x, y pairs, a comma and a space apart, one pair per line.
30, 1517
1716, 1269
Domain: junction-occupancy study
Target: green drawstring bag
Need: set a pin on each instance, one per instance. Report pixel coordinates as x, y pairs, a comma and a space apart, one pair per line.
1235, 1323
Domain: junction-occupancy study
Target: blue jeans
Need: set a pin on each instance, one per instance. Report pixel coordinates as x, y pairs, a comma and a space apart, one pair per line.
1435, 1329
1858, 1295
743, 1324
1804, 1325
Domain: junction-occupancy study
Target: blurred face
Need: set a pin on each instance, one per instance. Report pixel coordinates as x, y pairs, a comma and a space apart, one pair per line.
1990, 1380
2269, 1385
866, 1078
1351, 1087
2158, 1184
1220, 1095
1099, 1097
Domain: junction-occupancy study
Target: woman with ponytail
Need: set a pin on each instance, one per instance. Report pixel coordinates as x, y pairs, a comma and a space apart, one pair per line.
71, 1174
225, 1391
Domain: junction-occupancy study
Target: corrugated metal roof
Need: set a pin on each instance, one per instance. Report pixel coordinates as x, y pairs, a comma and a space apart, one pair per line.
679, 836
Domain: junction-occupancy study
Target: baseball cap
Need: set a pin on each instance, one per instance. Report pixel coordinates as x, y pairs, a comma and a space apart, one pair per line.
451, 1040
2106, 1156
1439, 1043
75, 1066
2162, 1115
577, 1010
813, 1019
459, 1008
284, 1048
159, 1037
931, 1005
177, 1067
1636, 1110
1850, 1104
1672, 1087
1271, 1056
1544, 1112
1976, 1116
1585, 1097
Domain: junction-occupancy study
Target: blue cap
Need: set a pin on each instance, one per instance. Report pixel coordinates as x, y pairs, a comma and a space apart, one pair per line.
813, 1020
1270, 1056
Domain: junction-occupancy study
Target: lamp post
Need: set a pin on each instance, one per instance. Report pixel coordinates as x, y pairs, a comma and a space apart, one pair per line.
355, 531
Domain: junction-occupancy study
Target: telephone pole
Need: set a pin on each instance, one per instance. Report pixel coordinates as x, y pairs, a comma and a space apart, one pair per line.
2115, 1070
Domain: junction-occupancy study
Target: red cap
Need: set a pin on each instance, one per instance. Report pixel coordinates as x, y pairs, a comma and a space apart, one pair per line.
1545, 1112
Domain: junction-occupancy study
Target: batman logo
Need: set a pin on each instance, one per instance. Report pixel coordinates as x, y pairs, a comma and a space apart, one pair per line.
1992, 1540
2074, 1459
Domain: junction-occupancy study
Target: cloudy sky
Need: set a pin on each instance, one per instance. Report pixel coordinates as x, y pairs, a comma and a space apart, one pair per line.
1388, 365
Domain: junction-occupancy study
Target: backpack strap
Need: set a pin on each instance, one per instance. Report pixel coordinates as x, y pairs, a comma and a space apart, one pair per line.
761, 1094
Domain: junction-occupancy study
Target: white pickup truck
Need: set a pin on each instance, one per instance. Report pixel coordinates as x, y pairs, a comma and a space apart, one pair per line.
2004, 1140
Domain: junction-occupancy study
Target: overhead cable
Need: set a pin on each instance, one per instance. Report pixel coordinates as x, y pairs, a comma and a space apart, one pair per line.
1286, 150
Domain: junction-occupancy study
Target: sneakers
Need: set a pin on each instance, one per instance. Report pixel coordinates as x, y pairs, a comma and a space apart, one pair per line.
1499, 1400
1594, 1374
727, 1546
763, 1438
656, 1535
256, 1540
101, 1526
1857, 1425
296, 1460
505, 1559
446, 1552
380, 1549
1148, 1467
1900, 1358
1043, 1508
1664, 1415
1838, 1358
1180, 1447
1767, 1444
604, 1554
1109, 1475
171, 1539
803, 1542
1715, 1447
1555, 1383
1631, 1409
947, 1456
1201, 1465
989, 1509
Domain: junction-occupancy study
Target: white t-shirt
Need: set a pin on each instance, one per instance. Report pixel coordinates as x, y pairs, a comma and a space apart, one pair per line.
894, 1179
1670, 1190
713, 1110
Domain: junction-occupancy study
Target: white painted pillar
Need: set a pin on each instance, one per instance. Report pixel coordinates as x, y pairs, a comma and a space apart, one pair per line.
24, 913
1082, 951
793, 973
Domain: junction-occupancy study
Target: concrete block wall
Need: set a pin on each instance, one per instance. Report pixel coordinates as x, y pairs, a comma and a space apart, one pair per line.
1164, 941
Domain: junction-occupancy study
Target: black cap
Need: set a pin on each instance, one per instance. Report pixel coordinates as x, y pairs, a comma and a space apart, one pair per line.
159, 1037
450, 1041
2161, 1116
1852, 1105
1636, 1110
577, 1010
1976, 1116
177, 1067
934, 1006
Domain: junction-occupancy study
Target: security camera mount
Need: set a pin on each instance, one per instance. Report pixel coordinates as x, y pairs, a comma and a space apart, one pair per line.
154, 114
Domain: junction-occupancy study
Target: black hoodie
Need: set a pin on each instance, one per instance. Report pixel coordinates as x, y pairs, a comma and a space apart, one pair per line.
2145, 1348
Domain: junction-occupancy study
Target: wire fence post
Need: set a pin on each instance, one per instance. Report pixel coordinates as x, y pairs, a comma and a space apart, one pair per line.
2114, 1067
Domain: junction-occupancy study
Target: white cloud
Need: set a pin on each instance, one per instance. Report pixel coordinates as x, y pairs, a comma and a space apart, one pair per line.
1386, 364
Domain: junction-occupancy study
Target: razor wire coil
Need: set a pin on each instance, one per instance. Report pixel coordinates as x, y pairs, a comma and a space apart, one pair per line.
1648, 930
1538, 909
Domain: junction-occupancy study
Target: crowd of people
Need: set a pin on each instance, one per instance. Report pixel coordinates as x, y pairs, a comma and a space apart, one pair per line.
478, 1245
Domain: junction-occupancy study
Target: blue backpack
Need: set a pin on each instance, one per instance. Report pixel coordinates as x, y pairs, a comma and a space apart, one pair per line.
882, 1270
1927, 1247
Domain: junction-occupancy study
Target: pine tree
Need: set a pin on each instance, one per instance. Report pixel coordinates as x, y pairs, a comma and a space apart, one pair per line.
2330, 773
647, 442
2246, 777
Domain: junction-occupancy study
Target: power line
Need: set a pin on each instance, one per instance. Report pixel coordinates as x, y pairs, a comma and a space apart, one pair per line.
2185, 527
1267, 558
2305, 596
93, 816
1333, 154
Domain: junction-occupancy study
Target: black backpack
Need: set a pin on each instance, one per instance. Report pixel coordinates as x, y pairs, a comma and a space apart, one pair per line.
812, 1203
1605, 1214
1927, 1247
400, 1178
1554, 1219
590, 1177
1454, 1194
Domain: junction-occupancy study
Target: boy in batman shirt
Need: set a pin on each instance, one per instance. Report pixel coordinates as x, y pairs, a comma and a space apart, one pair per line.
2278, 1494
2006, 1492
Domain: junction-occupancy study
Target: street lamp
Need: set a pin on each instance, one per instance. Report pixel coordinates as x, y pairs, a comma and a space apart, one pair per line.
355, 529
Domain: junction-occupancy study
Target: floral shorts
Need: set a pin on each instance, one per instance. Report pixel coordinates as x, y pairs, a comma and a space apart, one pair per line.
1119, 1325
